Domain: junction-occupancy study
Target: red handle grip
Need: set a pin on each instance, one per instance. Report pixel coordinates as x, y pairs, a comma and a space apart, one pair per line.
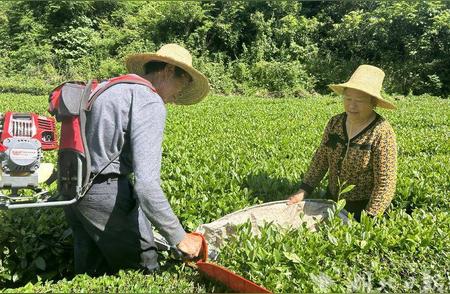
204, 250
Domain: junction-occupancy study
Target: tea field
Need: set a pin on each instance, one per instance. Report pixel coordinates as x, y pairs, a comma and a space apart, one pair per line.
227, 153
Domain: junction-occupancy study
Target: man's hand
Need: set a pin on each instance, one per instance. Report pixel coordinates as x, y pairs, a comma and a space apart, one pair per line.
190, 245
297, 197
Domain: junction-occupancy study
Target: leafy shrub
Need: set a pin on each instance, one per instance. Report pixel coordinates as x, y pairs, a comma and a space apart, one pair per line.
218, 74
408, 39
287, 78
405, 38
73, 43
179, 280
397, 253
20, 85
34, 242
110, 68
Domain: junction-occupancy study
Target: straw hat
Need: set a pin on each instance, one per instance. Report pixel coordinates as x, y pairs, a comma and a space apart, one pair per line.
176, 55
368, 79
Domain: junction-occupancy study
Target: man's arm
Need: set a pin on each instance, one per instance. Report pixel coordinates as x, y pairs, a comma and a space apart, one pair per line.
147, 122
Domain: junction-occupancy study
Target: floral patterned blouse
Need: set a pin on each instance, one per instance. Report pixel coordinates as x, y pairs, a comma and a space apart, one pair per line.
370, 163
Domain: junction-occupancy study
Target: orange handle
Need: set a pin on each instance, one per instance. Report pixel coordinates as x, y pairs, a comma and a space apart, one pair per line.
204, 250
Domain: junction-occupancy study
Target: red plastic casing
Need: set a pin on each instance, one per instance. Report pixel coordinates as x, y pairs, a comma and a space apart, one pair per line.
31, 125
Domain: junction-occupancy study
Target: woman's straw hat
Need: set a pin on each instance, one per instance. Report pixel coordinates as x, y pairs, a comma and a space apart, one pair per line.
176, 55
368, 79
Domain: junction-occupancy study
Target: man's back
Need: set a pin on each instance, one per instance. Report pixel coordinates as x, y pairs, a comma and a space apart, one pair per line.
108, 126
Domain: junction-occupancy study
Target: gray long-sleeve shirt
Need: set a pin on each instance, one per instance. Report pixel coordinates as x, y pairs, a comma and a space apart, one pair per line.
131, 118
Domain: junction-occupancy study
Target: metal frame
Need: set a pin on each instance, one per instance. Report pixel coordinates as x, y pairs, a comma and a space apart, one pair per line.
45, 203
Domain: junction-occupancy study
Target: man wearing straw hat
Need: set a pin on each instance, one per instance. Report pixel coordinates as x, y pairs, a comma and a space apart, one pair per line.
112, 224
358, 148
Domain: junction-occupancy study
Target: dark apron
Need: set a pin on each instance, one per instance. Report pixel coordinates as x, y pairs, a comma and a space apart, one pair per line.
354, 207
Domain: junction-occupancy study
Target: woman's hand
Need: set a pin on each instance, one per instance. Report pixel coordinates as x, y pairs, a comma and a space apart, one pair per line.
191, 245
297, 197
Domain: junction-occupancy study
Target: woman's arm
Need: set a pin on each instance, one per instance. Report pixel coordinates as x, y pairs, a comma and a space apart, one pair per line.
384, 170
316, 171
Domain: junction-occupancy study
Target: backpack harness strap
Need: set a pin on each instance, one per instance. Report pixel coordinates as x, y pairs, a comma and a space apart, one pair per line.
125, 79
88, 100
84, 99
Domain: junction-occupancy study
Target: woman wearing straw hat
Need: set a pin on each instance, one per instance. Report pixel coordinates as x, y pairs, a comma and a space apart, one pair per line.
112, 224
358, 148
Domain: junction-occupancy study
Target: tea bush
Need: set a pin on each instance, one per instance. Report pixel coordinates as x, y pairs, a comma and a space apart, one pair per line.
398, 253
20, 85
225, 154
178, 279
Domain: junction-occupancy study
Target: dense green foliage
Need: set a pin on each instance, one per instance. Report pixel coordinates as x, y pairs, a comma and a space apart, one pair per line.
249, 47
398, 253
178, 279
227, 153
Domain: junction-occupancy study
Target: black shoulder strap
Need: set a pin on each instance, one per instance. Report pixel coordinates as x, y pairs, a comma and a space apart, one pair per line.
84, 99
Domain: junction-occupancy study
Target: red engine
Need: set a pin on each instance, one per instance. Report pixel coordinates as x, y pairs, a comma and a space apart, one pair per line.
30, 125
